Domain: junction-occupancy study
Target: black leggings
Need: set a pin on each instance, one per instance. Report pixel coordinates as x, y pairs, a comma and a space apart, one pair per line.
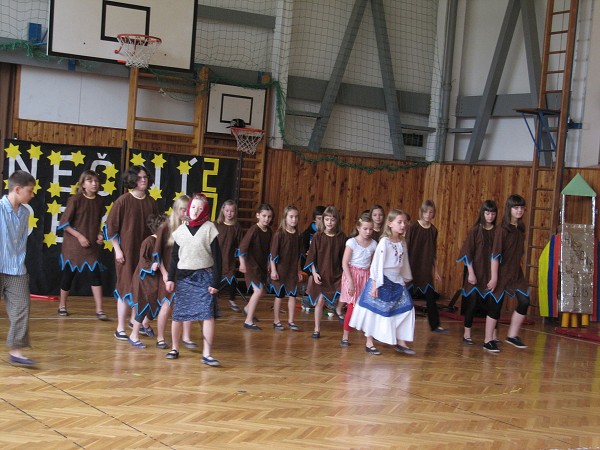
470, 302
494, 308
433, 315
68, 275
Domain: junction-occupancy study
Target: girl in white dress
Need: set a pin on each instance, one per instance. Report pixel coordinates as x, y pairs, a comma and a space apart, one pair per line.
385, 309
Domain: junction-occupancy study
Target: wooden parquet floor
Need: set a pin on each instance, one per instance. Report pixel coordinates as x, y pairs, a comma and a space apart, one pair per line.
286, 390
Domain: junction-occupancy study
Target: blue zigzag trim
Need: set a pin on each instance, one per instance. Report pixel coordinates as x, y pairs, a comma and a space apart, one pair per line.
64, 225
271, 259
282, 288
329, 301
465, 260
231, 280
127, 297
161, 301
144, 272
475, 289
307, 268
422, 291
236, 254
257, 286
152, 313
107, 238
85, 265
156, 257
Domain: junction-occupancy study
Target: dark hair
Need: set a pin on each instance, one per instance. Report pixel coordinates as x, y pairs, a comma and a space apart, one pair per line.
86, 175
20, 178
486, 206
511, 202
131, 176
154, 221
318, 211
265, 207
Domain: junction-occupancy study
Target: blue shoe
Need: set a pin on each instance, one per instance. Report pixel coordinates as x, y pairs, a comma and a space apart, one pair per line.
251, 326
136, 344
210, 361
148, 331
18, 360
121, 336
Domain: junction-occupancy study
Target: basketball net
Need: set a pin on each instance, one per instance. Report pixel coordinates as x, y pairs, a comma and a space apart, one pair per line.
247, 139
137, 48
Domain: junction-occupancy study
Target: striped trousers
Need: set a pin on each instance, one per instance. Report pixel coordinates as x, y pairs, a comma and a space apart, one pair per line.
15, 291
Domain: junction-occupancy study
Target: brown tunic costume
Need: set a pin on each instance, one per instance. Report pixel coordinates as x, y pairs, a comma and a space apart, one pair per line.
325, 254
127, 221
145, 281
286, 249
477, 251
229, 237
422, 252
162, 253
84, 215
255, 248
508, 248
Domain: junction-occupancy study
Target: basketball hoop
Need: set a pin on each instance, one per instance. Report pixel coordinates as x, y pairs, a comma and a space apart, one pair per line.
247, 139
137, 48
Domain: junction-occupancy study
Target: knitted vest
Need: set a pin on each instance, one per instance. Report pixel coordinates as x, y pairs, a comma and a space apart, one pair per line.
194, 251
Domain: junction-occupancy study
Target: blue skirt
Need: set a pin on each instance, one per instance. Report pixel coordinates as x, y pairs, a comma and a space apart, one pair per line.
194, 302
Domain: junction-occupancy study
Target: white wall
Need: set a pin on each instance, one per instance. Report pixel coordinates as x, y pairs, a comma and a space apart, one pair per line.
95, 100
507, 139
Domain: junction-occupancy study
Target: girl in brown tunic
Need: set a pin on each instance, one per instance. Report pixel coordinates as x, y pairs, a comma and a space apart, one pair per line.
285, 266
254, 256
421, 241
82, 239
476, 254
378, 216
325, 263
145, 282
507, 277
230, 236
126, 228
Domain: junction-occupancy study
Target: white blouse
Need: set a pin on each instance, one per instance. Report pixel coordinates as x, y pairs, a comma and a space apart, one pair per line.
391, 260
361, 256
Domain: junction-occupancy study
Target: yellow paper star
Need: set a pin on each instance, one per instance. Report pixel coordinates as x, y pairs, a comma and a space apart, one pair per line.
54, 190
109, 187
77, 157
73, 188
184, 167
6, 184
169, 211
137, 160
177, 195
108, 245
37, 186
55, 158
110, 171
12, 151
50, 239
32, 222
54, 207
35, 152
108, 208
159, 161
155, 192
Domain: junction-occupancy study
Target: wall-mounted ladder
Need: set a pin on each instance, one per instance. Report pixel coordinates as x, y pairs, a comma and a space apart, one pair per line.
550, 135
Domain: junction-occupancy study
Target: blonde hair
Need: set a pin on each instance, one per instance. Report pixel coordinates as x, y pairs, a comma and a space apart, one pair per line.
392, 215
331, 211
287, 209
221, 217
174, 219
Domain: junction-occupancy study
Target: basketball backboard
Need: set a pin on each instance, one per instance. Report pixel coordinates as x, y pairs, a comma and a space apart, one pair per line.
88, 29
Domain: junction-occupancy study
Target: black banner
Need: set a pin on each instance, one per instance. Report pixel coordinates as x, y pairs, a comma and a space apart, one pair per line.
57, 168
176, 174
